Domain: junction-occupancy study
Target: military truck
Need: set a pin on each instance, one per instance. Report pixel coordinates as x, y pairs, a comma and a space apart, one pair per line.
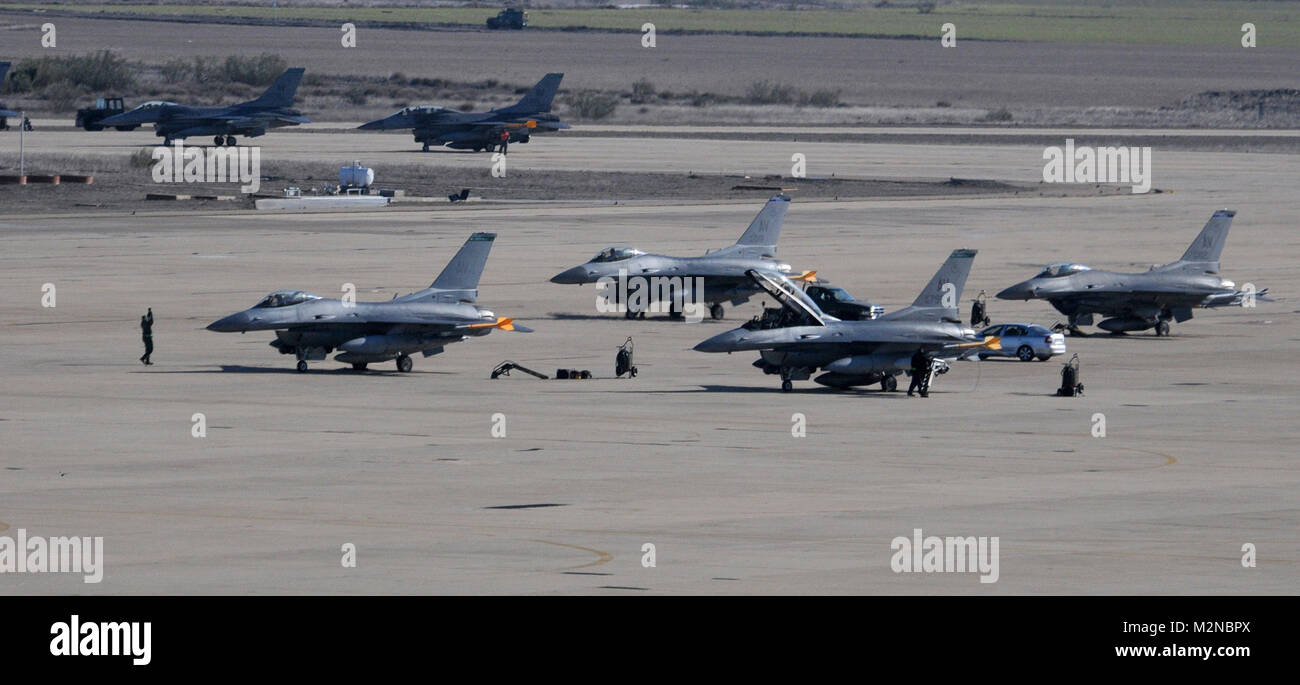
512, 18
88, 117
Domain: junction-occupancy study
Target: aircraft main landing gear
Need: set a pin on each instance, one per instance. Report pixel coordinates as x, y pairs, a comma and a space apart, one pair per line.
302, 366
787, 386
888, 384
230, 141
716, 311
1162, 328
404, 363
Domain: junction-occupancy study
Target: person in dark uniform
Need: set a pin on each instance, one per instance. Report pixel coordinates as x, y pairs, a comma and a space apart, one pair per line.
920, 367
146, 329
505, 141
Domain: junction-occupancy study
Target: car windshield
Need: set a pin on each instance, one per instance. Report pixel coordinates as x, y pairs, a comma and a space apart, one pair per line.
1061, 269
285, 298
616, 254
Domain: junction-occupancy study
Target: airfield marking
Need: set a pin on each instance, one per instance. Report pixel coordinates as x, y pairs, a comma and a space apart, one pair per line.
604, 556
1169, 458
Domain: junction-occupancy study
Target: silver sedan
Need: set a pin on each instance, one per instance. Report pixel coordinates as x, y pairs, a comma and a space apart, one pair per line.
1025, 341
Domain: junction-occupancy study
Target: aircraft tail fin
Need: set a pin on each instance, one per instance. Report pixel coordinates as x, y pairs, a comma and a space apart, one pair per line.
1209, 244
942, 295
464, 270
281, 93
540, 97
765, 229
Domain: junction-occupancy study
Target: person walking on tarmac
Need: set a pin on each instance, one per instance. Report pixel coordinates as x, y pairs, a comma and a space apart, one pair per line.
146, 329
920, 368
505, 141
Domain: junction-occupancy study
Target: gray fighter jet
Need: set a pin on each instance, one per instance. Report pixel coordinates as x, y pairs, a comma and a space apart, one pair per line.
723, 271
272, 109
5, 113
310, 326
1139, 301
798, 339
479, 130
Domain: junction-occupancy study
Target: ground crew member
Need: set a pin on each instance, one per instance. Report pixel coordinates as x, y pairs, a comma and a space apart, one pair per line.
146, 329
920, 367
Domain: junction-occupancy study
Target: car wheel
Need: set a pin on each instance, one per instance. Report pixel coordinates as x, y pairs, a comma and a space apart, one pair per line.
1026, 353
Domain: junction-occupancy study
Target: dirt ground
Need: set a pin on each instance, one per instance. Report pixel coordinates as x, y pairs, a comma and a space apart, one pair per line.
125, 189
1039, 83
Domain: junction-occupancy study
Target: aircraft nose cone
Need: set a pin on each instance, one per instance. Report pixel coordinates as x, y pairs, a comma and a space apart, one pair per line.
1019, 291
229, 324
722, 342
372, 125
570, 276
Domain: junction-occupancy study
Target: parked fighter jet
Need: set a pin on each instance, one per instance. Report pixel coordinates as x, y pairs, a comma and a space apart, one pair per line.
798, 339
272, 109
1139, 301
311, 327
5, 113
480, 130
722, 271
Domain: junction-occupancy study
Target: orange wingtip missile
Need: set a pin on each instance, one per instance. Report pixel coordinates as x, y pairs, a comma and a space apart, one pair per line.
504, 323
993, 343
807, 277
530, 124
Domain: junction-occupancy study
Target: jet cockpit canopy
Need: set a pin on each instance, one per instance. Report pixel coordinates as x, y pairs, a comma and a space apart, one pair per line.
285, 298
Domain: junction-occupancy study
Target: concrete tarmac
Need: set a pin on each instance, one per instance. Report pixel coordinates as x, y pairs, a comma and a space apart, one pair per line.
695, 455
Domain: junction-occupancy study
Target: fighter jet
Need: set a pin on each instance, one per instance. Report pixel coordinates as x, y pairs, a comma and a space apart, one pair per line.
5, 113
798, 339
723, 271
479, 131
272, 109
310, 326
1139, 301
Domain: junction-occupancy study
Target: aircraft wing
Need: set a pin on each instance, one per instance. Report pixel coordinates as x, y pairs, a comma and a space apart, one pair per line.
288, 119
419, 322
1117, 298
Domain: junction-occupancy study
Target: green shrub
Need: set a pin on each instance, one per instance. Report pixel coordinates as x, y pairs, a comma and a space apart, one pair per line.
1002, 114
642, 90
767, 93
255, 71
590, 104
101, 71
